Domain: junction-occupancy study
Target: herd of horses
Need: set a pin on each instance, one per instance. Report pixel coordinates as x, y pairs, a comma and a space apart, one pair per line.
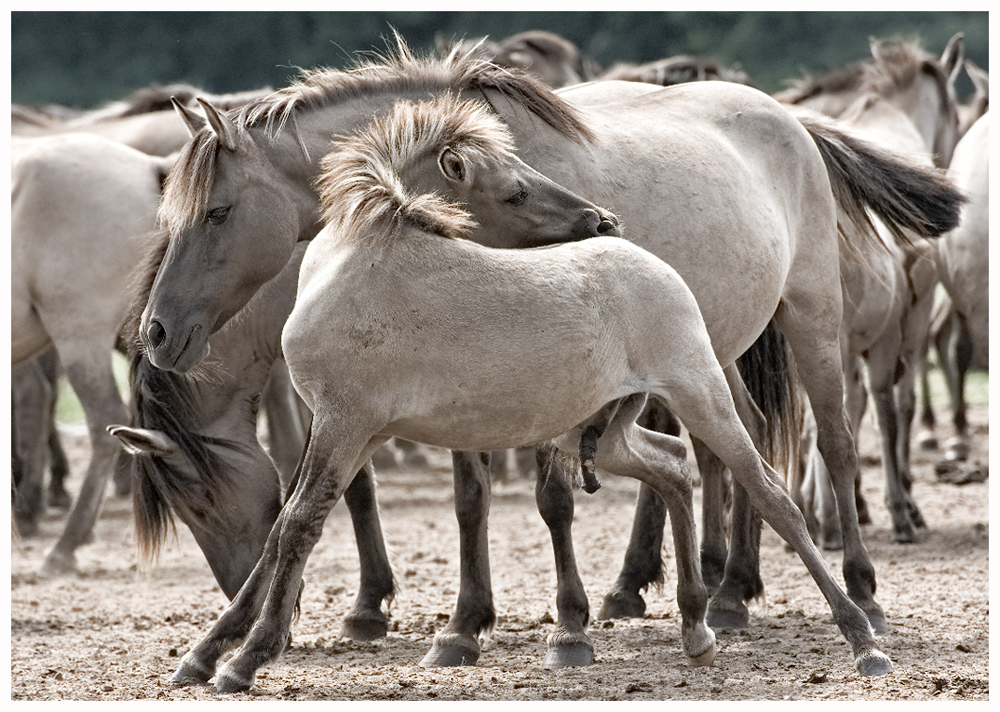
415, 278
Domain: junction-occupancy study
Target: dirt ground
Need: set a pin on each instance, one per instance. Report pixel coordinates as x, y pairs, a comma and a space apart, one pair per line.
117, 630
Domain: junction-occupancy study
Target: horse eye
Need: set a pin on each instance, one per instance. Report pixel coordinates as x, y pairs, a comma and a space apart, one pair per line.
519, 197
452, 166
217, 216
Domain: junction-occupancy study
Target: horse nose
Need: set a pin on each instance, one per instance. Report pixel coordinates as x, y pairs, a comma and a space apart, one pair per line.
155, 334
608, 226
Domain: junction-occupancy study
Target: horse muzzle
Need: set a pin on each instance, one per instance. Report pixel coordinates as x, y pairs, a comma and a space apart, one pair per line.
601, 223
170, 353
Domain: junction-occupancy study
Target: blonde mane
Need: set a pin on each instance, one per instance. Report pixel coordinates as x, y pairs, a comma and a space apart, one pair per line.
187, 190
361, 193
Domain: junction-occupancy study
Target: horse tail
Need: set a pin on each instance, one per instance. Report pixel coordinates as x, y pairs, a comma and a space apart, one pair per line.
189, 483
765, 370
903, 194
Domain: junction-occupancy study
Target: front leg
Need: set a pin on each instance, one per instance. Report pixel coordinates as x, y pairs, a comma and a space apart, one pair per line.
458, 642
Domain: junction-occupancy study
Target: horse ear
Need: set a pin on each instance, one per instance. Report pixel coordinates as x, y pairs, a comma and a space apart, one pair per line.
221, 125
452, 165
192, 121
951, 58
140, 441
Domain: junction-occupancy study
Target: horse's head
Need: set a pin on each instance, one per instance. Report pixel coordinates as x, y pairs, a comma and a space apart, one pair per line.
234, 219
923, 86
461, 151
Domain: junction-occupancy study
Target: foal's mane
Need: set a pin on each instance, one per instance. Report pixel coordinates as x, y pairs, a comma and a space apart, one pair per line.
361, 192
400, 70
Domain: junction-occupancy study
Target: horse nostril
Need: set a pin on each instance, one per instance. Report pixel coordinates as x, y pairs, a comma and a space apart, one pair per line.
155, 334
605, 227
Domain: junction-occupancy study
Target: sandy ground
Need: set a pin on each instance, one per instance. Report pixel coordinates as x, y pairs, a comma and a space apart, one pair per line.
116, 630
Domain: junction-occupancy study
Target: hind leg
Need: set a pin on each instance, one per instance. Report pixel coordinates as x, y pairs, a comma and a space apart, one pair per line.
660, 462
643, 564
31, 398
814, 339
88, 367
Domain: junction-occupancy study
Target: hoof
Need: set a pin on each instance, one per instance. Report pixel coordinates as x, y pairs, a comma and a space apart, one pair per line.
577, 654
727, 616
873, 663
906, 534
364, 628
58, 564
622, 604
191, 673
927, 441
704, 659
59, 499
228, 682
452, 650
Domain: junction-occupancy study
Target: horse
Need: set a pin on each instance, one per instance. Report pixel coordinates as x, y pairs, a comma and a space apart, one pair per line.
377, 349
963, 267
905, 100
691, 170
952, 342
80, 206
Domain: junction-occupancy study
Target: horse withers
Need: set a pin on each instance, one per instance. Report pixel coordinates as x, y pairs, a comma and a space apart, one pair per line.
523, 346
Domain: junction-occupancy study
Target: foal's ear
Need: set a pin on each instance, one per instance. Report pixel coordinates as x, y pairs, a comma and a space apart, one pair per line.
192, 121
140, 441
221, 125
452, 165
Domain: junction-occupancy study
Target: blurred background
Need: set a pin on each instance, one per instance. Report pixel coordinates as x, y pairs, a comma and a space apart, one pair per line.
84, 59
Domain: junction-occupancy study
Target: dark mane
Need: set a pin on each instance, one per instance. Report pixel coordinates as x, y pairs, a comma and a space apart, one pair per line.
677, 70
836, 81
190, 181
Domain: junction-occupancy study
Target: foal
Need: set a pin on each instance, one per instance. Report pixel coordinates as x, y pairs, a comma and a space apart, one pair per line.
403, 328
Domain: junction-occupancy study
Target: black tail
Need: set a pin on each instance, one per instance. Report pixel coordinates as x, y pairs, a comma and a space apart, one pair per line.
900, 192
765, 369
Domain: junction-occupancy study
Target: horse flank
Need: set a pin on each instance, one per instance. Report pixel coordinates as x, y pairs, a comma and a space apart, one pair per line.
361, 193
401, 71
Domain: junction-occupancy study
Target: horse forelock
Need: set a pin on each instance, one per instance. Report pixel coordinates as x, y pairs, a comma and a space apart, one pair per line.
897, 65
189, 183
360, 185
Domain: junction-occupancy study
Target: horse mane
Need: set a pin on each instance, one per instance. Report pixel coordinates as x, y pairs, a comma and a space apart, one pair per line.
400, 70
836, 81
360, 189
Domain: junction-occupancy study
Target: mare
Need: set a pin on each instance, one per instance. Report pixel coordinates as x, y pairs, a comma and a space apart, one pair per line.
377, 348
80, 207
905, 101
717, 177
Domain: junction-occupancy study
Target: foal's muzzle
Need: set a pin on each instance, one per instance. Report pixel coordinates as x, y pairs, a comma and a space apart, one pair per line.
602, 223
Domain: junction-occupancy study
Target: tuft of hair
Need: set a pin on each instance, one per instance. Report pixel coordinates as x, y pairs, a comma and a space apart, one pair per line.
360, 189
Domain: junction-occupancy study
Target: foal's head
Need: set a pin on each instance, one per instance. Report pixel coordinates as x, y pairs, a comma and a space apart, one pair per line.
448, 166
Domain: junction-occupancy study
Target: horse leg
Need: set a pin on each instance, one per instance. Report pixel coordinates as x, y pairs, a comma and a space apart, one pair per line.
569, 644
659, 461
367, 621
643, 565
960, 353
58, 463
708, 413
88, 368
31, 397
741, 580
714, 497
815, 342
285, 425
261, 614
458, 642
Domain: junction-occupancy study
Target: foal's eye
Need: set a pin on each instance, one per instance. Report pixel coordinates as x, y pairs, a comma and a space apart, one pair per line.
217, 216
518, 197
